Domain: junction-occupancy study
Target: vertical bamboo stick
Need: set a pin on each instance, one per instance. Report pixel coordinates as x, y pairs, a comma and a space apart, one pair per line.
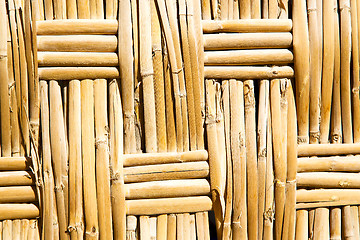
88, 153
301, 65
230, 9
49, 10
102, 159
355, 220
224, 10
192, 227
315, 72
205, 216
321, 228
215, 9
238, 155
180, 228
236, 14
7, 230
345, 38
152, 226
131, 226
116, 151
262, 149
158, 80
75, 162
4, 86
171, 226
251, 159
206, 9
335, 223
111, 9
245, 11
255, 9
127, 74
311, 222
25, 225
161, 227
34, 230
16, 228
328, 70
186, 226
83, 9
265, 9
336, 132
144, 228
283, 8
301, 225
199, 226
348, 224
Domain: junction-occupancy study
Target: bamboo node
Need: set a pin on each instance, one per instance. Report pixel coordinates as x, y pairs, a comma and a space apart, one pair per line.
309, 10
344, 183
302, 139
355, 90
262, 153
279, 183
315, 135
336, 138
100, 141
346, 6
147, 74
178, 71
269, 215
3, 56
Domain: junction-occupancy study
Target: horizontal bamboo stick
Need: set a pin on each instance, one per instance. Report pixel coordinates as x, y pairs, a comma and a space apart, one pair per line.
328, 180
327, 164
76, 26
20, 194
167, 189
70, 73
166, 172
327, 195
168, 205
77, 43
74, 59
16, 178
327, 149
249, 57
161, 158
247, 40
247, 25
18, 211
336, 203
14, 163
245, 72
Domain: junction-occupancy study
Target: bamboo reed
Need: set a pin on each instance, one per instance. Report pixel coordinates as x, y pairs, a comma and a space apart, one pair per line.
76, 27
71, 59
18, 194
171, 226
70, 73
18, 211
166, 189
192, 227
25, 226
186, 226
16, 178
14, 163
301, 225
327, 164
206, 9
244, 72
247, 25
180, 228
345, 38
249, 57
161, 227
168, 205
321, 195
355, 221
162, 158
335, 223
349, 231
166, 172
321, 227
328, 149
199, 226
16, 229
144, 228
7, 233
328, 180
131, 225
247, 40
116, 151
152, 221
238, 155
245, 9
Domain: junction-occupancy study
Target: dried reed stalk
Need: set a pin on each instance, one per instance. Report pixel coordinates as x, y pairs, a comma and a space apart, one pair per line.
171, 226
192, 227
335, 223
328, 149
127, 74
152, 227
161, 227
321, 225
180, 228
245, 72
245, 11
224, 10
348, 226
206, 9
355, 220
199, 225
144, 228
273, 9
7, 230
345, 38
238, 155
75, 162
16, 228
25, 226
328, 180
49, 10
116, 151
131, 226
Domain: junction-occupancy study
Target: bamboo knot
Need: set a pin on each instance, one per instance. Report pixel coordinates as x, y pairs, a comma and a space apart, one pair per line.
291, 182
178, 71
269, 215
336, 138
71, 229
344, 183
3, 56
315, 135
309, 10
11, 85
279, 183
302, 139
355, 90
345, 7
147, 74
210, 120
262, 153
100, 141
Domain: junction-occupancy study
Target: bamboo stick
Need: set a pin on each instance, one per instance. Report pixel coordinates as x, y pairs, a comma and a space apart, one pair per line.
14, 163
14, 194
7, 230
326, 204
301, 67
77, 43
206, 9
144, 228
247, 25
328, 149
205, 217
335, 224
265, 40
16, 229
159, 88
49, 10
102, 159
215, 10
152, 226
88, 153
355, 220
315, 72
4, 86
329, 164
71, 59
243, 72
199, 226
77, 27
321, 227
75, 162
186, 226
255, 9
349, 232
224, 10
328, 180
116, 151
311, 222
161, 227
18, 210
16, 178
249, 57
131, 225
111, 9
301, 225
336, 132
321, 195
59, 154
70, 73
327, 71
238, 154
251, 159
245, 9
168, 205
162, 158
192, 227
25, 226
345, 38
34, 230
166, 172
166, 189
171, 226
180, 228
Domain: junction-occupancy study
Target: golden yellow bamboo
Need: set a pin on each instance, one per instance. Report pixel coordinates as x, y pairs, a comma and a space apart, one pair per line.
25, 226
206, 9
348, 226
18, 211
245, 72
161, 227
321, 226
335, 223
245, 9
328, 164
76, 27
328, 149
16, 228
180, 228
171, 226
70, 73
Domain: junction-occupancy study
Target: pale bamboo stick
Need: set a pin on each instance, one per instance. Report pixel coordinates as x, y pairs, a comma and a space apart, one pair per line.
238, 155
75, 162
244, 72
345, 38
131, 226
224, 10
301, 67
335, 224
166, 172
152, 227
180, 228
245, 9
336, 132
70, 73
321, 226
205, 217
321, 195
186, 226
236, 14
25, 226
328, 149
16, 228
7, 230
268, 40
199, 226
171, 226
215, 10
301, 225
273, 9
247, 25
111, 9
161, 227
144, 228
355, 71
326, 204
315, 72
116, 151
49, 10
59, 154
34, 230
206, 9
192, 227
355, 220
348, 225
255, 9
59, 9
